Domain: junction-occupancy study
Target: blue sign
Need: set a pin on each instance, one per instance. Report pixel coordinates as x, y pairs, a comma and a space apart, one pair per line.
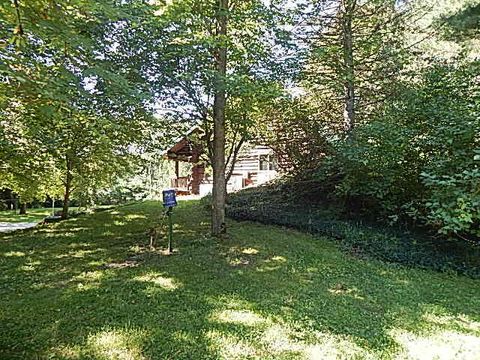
169, 198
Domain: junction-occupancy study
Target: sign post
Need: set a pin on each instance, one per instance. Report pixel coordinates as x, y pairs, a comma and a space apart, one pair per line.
170, 229
169, 202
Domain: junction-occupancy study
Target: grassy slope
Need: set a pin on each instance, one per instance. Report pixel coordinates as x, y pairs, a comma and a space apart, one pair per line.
283, 204
266, 292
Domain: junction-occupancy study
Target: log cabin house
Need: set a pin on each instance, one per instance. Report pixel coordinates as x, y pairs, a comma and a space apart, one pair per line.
255, 165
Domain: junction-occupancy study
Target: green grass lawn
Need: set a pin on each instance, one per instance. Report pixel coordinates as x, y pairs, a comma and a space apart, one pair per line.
31, 216
34, 215
88, 288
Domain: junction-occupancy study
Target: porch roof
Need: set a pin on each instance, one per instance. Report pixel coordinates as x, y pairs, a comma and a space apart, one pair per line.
181, 151
185, 149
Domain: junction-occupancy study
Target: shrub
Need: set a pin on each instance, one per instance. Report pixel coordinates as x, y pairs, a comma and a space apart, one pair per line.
421, 157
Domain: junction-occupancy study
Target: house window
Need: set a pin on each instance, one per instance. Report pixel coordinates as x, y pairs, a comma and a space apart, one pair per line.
267, 162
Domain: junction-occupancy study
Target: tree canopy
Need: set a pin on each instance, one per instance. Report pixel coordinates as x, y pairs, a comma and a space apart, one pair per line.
376, 99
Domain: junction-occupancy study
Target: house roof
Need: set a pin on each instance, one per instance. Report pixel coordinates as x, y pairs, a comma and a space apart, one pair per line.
184, 148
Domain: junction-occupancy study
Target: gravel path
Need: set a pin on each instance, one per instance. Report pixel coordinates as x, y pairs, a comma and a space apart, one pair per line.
5, 226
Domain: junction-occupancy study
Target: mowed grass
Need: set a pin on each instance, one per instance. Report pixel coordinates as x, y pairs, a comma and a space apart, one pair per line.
88, 288
37, 215
32, 215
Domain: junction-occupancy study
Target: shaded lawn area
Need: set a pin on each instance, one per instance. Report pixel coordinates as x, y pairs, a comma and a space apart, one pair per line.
32, 215
88, 288
37, 215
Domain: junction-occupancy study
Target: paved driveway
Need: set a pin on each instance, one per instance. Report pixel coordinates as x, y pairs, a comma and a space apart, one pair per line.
5, 226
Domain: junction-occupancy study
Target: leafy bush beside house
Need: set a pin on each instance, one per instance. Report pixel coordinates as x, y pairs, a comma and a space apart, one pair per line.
421, 158
416, 160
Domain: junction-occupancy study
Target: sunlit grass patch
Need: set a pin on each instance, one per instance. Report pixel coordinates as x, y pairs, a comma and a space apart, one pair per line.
30, 266
266, 339
330, 347
134, 216
113, 345
78, 253
460, 321
14, 254
239, 261
88, 280
340, 289
320, 346
32, 215
250, 251
158, 279
105, 345
245, 317
442, 345
230, 346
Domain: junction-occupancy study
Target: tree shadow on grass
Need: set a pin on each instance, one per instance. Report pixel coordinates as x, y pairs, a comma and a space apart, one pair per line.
263, 293
369, 302
60, 297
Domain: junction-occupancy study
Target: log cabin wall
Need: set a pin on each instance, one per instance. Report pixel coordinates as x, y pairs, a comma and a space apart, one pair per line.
198, 170
248, 167
198, 174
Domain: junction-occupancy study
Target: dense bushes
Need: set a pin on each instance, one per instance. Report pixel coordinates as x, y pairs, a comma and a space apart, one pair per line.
421, 158
289, 204
417, 159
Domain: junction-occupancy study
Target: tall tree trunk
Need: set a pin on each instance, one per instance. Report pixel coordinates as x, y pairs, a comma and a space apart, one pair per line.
23, 208
19, 28
348, 7
10, 200
219, 193
68, 188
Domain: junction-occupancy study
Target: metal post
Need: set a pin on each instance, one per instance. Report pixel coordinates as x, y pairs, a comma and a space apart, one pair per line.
53, 206
169, 201
170, 229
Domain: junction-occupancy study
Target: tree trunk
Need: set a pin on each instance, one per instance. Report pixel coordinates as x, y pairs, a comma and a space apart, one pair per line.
219, 193
348, 6
10, 200
19, 28
23, 208
68, 188
14, 201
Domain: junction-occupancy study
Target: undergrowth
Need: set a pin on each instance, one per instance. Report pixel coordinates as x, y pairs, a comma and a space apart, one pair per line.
281, 204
